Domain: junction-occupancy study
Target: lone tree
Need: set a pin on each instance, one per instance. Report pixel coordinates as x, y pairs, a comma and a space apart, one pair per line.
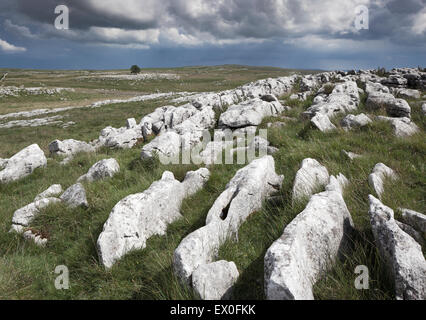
135, 69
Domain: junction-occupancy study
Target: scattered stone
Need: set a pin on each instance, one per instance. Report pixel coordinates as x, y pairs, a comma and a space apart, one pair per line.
402, 127
277, 124
355, 121
69, 148
130, 123
401, 252
106, 168
322, 122
309, 245
414, 219
137, 217
52, 191
23, 216
424, 109
407, 93
311, 176
386, 101
249, 113
167, 145
377, 177
22, 164
244, 195
214, 281
75, 196
32, 122
350, 155
36, 237
411, 232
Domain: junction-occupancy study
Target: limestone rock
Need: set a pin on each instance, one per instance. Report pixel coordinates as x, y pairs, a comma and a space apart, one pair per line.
377, 177
350, 155
401, 252
23, 164
23, 216
355, 121
69, 148
322, 122
75, 196
309, 245
53, 190
167, 144
138, 217
414, 219
249, 113
402, 127
214, 281
309, 177
105, 168
243, 195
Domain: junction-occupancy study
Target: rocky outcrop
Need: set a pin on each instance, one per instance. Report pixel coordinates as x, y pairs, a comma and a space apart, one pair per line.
106, 168
214, 281
69, 148
322, 122
415, 219
75, 196
309, 245
402, 127
407, 93
249, 113
352, 121
243, 195
402, 254
22, 217
377, 177
22, 164
137, 217
52, 191
344, 98
167, 145
311, 176
386, 101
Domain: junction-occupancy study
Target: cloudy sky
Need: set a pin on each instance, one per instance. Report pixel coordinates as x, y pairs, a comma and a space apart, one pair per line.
106, 34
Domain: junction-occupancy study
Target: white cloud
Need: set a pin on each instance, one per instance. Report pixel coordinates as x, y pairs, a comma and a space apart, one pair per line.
10, 48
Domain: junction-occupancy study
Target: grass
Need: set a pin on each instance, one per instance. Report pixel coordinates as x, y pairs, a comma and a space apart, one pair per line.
27, 271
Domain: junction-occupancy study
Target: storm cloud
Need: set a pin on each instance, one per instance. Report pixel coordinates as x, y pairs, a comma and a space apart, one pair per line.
320, 26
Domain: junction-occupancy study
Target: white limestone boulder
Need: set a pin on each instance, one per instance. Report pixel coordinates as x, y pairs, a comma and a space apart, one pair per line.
249, 113
102, 169
402, 127
214, 281
167, 144
322, 122
23, 164
311, 176
75, 196
69, 148
138, 217
52, 191
352, 121
23, 216
402, 254
377, 177
309, 245
243, 195
415, 219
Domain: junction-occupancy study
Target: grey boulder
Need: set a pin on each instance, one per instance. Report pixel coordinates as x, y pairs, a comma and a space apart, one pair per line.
23, 164
214, 281
309, 177
102, 169
75, 196
402, 254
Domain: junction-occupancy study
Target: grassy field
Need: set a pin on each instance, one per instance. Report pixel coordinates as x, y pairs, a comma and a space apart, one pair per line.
27, 271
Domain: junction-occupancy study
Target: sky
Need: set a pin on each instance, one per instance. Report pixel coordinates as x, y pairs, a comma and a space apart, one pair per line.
303, 34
